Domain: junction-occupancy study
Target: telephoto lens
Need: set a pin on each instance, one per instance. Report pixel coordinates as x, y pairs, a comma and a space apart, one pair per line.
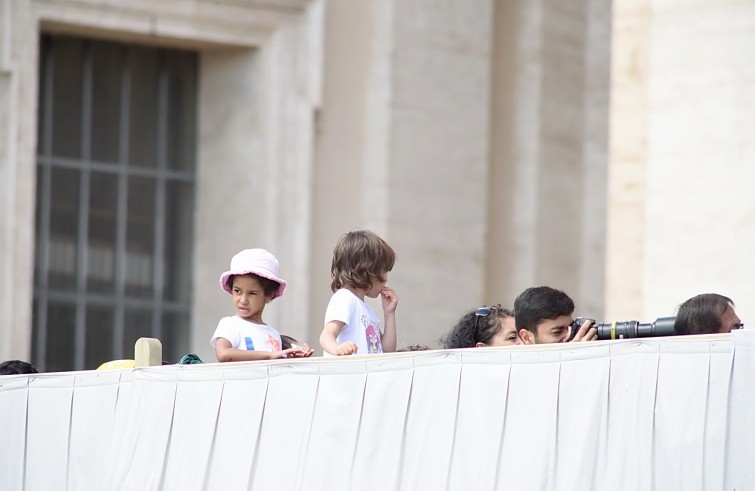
662, 326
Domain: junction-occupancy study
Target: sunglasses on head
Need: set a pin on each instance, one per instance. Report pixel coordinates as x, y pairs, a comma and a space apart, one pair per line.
484, 311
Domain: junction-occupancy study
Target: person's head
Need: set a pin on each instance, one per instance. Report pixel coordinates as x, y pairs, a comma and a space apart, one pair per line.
413, 347
252, 281
15, 367
708, 313
486, 326
543, 315
362, 261
288, 342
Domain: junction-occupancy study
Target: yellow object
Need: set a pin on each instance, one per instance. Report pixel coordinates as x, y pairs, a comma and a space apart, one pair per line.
117, 365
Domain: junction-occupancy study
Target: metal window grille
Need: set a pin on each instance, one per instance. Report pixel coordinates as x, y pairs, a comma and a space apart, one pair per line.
115, 193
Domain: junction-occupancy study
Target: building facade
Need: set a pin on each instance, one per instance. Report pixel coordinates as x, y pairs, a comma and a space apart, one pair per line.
496, 145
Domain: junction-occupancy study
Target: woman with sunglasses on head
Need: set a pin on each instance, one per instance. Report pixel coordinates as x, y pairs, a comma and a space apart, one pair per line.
485, 326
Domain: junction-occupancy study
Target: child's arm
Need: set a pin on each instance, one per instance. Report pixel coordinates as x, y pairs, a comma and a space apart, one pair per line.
225, 351
390, 302
330, 344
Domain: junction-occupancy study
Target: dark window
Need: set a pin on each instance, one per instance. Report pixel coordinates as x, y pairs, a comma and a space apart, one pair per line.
115, 197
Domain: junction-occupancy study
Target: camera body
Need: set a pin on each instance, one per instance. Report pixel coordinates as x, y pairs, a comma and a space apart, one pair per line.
662, 326
577, 324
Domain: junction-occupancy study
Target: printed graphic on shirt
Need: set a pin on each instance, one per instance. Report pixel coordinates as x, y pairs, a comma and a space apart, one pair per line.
249, 343
372, 331
273, 343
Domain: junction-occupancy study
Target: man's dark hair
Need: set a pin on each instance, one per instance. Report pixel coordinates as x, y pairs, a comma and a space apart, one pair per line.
537, 304
702, 314
15, 367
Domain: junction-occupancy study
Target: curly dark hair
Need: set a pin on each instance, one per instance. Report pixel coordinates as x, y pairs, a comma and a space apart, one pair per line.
359, 257
414, 347
472, 329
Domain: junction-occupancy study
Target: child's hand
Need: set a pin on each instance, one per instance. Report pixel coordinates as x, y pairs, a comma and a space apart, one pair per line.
347, 348
303, 351
390, 300
274, 355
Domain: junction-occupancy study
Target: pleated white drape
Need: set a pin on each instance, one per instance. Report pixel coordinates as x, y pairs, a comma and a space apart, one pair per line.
663, 414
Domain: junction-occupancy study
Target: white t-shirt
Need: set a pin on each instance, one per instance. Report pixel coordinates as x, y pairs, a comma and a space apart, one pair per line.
247, 335
362, 325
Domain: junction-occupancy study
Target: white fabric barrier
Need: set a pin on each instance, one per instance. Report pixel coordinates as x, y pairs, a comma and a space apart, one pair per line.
667, 413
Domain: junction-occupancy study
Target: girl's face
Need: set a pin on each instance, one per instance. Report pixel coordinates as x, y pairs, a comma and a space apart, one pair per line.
249, 298
377, 286
507, 335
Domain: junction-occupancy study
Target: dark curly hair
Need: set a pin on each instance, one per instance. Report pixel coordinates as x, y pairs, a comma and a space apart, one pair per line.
472, 329
414, 347
359, 257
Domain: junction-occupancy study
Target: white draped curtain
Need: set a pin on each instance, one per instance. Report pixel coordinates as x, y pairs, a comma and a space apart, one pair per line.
664, 414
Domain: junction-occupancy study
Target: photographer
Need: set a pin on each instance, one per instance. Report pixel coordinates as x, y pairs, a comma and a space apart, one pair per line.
708, 313
544, 315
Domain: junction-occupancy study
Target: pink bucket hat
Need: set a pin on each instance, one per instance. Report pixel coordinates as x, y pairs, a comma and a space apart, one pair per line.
256, 261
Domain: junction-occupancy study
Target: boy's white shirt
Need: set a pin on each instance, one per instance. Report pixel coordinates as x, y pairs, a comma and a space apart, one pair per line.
245, 335
362, 326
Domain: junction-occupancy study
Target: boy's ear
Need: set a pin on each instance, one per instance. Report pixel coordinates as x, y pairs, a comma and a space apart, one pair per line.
480, 345
527, 336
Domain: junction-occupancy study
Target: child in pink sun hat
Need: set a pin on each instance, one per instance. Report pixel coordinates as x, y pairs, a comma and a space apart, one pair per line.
252, 281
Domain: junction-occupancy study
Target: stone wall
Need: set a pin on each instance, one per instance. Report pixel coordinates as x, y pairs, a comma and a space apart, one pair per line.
681, 205
475, 136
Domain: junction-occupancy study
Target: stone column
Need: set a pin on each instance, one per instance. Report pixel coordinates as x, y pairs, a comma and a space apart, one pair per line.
625, 244
341, 136
411, 139
438, 161
549, 155
18, 95
699, 207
